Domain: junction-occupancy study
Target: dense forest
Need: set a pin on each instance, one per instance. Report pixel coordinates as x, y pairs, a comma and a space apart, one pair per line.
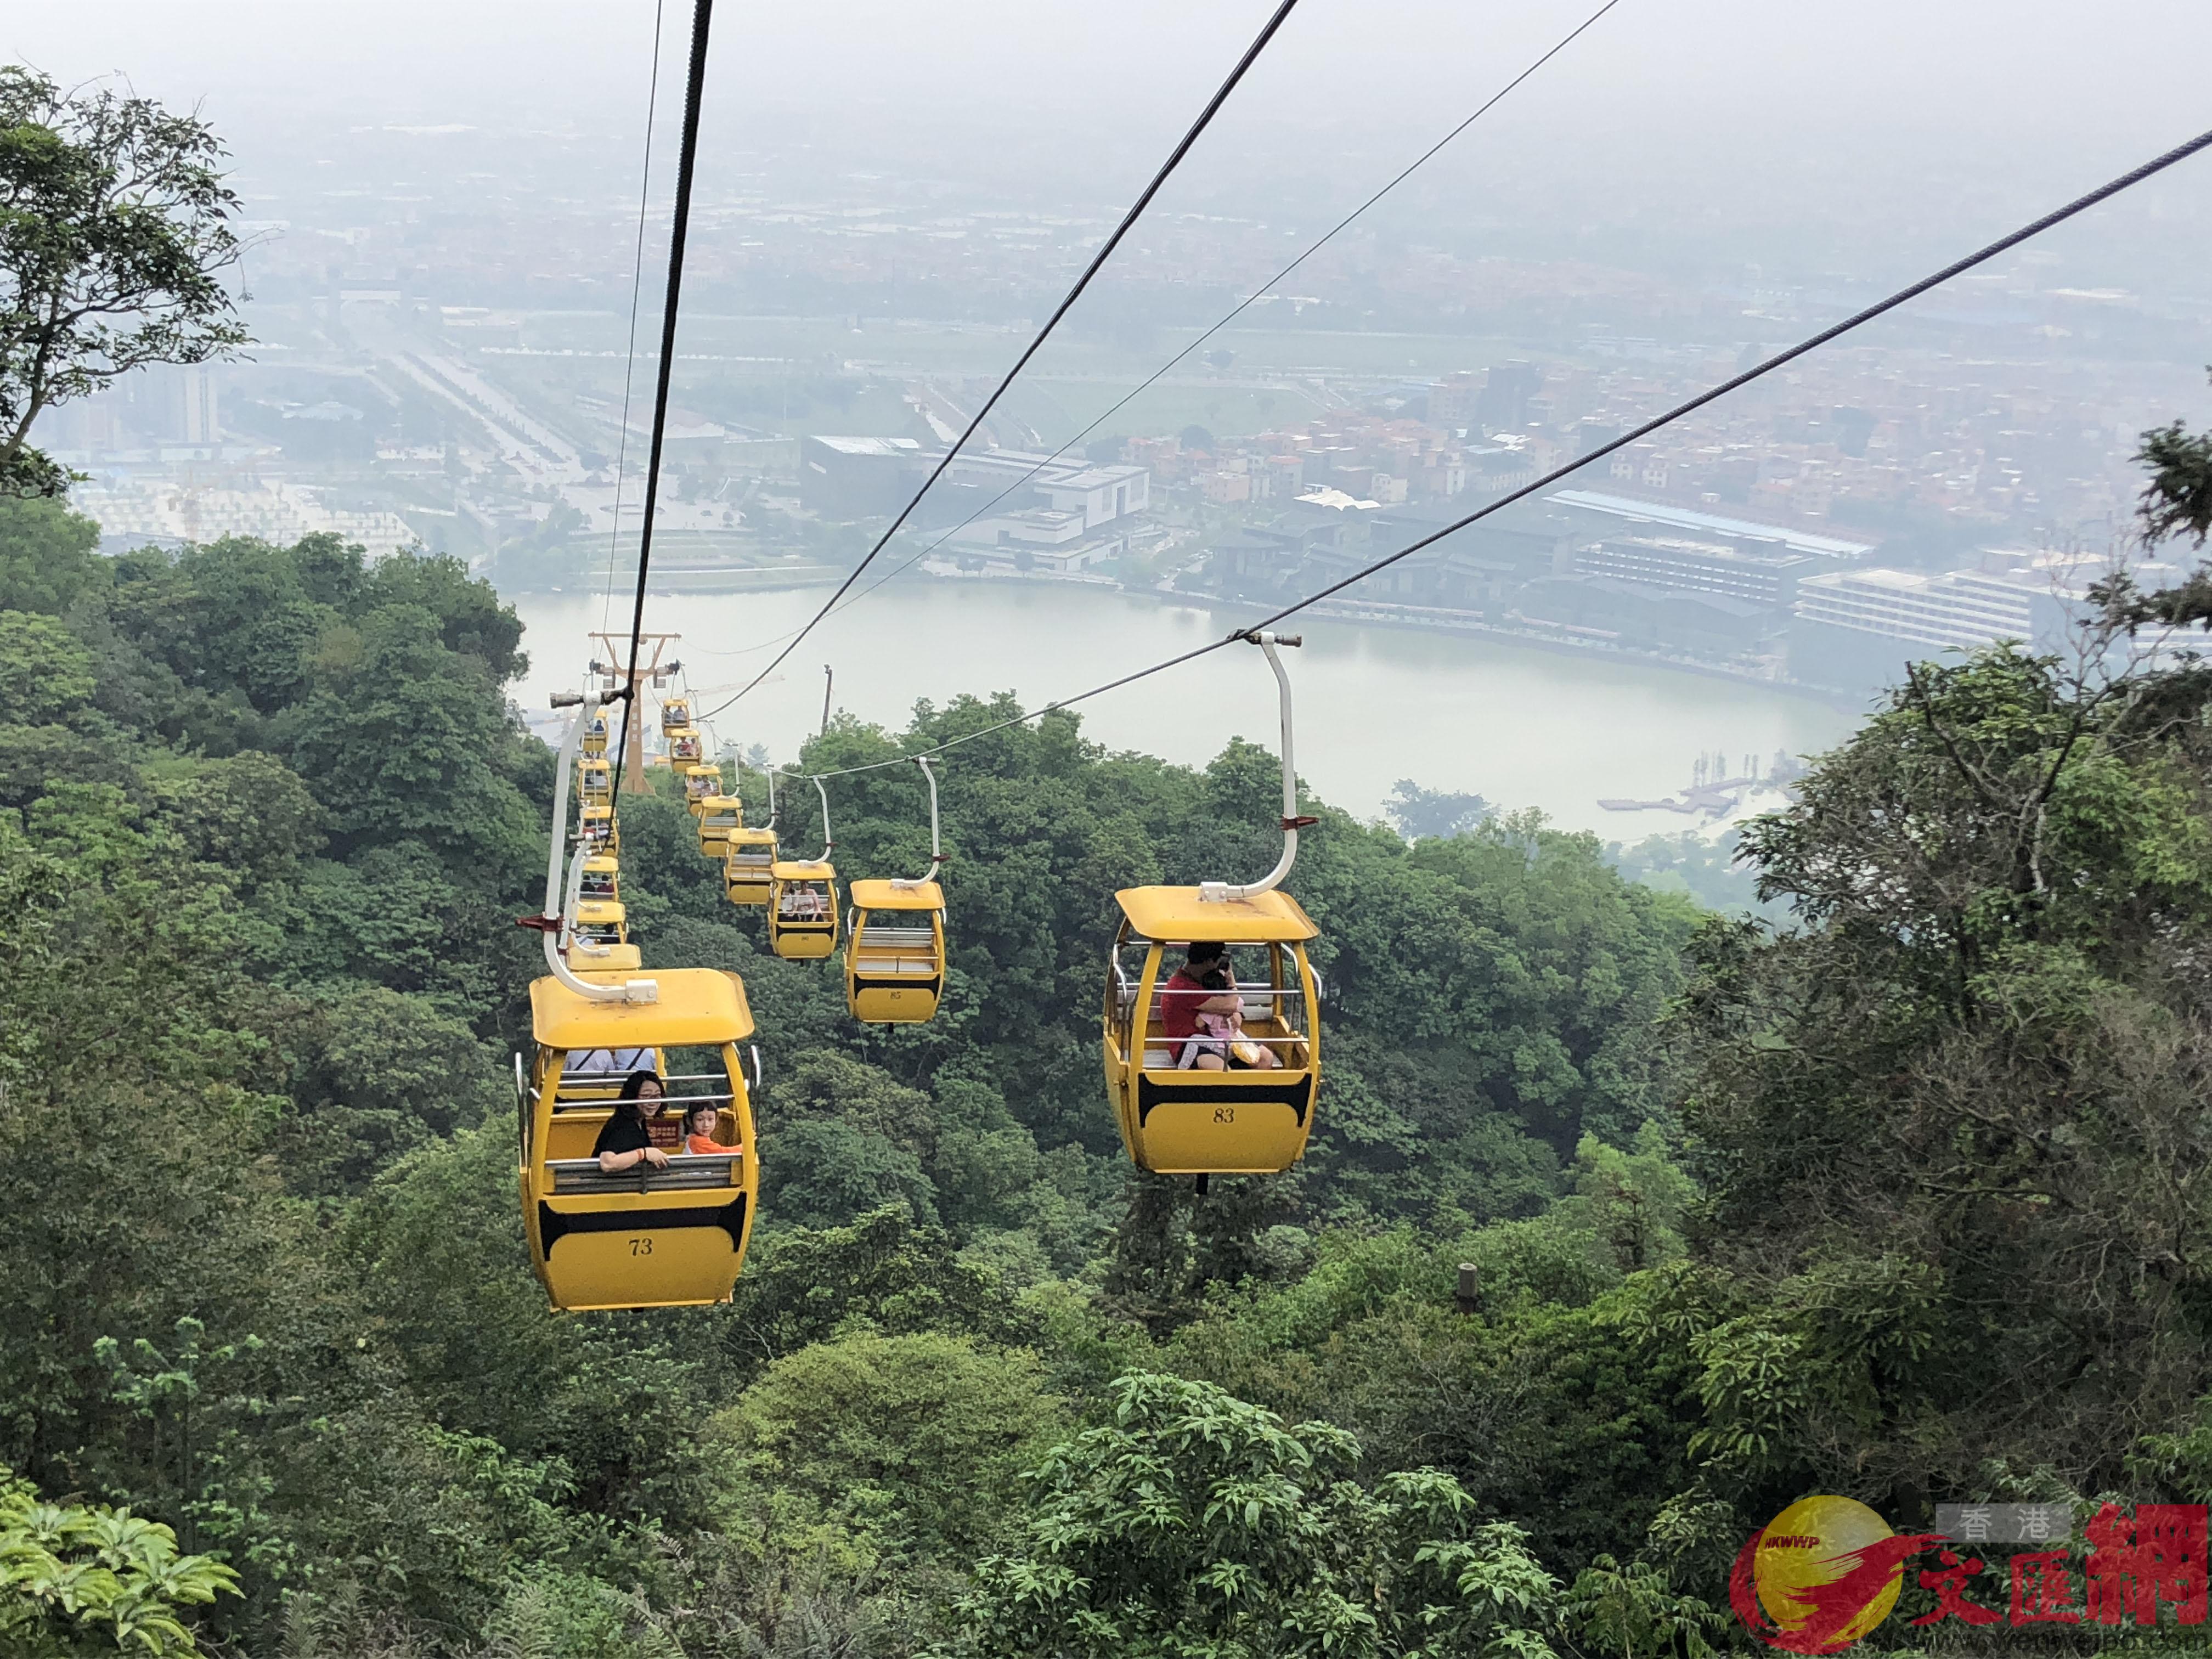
1904, 1198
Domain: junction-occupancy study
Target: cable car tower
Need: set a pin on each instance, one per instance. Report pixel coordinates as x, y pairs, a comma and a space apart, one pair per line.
614, 672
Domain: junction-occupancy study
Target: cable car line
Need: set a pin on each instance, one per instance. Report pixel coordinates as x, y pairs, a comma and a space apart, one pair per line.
1097, 261
1227, 318
1211, 1070
636, 284
702, 13
1881, 307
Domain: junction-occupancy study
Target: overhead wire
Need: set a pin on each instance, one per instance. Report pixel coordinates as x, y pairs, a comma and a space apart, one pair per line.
1858, 318
1097, 262
1227, 318
636, 287
702, 13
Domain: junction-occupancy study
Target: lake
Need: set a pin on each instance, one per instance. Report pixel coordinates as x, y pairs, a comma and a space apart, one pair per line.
1520, 725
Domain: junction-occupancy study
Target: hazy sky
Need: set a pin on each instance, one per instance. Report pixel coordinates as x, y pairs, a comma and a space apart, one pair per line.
1959, 116
2086, 71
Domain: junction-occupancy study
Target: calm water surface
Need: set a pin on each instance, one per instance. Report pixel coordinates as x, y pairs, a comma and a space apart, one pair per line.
1521, 726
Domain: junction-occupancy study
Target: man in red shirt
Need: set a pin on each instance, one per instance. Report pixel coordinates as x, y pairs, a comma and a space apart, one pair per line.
1199, 987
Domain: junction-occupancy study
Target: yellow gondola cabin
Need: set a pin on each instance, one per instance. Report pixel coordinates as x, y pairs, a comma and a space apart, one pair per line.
595, 781
802, 911
895, 945
648, 1238
748, 866
701, 783
595, 733
1175, 1117
596, 829
601, 922
1216, 1075
675, 715
895, 952
686, 748
602, 879
802, 902
718, 815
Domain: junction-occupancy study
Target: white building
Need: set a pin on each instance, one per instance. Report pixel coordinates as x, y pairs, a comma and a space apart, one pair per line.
1100, 494
195, 412
1957, 608
846, 478
1028, 526
1857, 628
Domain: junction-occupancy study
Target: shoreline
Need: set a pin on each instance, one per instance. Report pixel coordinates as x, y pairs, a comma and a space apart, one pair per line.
1374, 614
1365, 613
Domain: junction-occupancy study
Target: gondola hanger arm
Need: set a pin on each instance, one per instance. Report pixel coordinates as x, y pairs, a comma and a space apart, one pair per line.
827, 841
1222, 892
936, 847
558, 918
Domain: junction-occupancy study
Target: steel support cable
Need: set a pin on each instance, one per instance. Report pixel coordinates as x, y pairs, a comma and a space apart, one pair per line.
1097, 261
1227, 318
702, 13
1857, 320
636, 284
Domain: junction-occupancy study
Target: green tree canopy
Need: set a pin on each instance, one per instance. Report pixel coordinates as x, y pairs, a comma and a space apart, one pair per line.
1967, 1081
1195, 1524
77, 1580
47, 556
904, 1445
114, 232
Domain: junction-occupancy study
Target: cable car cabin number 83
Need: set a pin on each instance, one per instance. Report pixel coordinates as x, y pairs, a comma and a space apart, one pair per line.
1213, 1043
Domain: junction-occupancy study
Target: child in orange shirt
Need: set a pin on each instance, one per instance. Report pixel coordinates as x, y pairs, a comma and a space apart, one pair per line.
701, 1123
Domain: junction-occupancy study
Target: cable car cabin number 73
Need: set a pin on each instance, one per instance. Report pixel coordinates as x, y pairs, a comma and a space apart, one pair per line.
645, 1238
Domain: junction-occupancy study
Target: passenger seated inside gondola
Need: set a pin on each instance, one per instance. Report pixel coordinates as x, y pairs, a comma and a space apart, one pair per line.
1202, 1015
699, 1133
626, 1140
804, 900
605, 1062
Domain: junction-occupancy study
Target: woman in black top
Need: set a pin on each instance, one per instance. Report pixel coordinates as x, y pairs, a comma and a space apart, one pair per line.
626, 1142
